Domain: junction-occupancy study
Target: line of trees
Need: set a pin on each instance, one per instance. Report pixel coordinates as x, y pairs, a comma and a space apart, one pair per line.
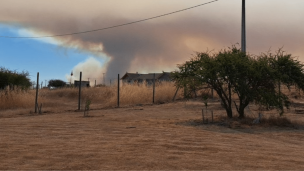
14, 78
251, 78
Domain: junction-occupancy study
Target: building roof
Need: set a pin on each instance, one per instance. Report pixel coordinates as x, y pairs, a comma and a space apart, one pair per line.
82, 81
149, 76
130, 76
165, 74
138, 76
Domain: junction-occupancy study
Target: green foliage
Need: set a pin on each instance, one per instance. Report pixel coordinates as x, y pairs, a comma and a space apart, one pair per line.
187, 79
87, 108
251, 78
88, 103
14, 78
56, 83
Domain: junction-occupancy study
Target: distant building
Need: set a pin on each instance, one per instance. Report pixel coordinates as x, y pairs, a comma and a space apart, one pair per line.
131, 78
165, 76
148, 78
83, 83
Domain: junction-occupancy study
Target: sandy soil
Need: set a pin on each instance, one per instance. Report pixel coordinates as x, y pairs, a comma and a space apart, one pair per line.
144, 137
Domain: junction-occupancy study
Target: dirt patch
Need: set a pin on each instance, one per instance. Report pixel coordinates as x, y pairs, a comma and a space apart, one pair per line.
145, 137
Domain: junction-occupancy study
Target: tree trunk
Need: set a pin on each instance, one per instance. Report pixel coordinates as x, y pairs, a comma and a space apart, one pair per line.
229, 113
241, 109
226, 102
242, 112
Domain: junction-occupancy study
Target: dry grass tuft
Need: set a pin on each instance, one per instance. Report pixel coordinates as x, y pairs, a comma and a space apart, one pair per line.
235, 123
16, 99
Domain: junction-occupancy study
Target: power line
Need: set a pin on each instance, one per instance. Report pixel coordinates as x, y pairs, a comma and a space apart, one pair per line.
105, 28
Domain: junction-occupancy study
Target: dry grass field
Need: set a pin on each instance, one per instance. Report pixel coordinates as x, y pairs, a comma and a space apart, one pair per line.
147, 137
66, 99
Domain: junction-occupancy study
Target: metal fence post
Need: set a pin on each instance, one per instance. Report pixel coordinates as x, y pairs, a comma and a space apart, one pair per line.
153, 87
36, 99
118, 91
79, 91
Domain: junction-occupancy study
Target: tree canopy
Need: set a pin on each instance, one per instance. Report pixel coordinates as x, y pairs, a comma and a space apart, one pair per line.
251, 78
14, 78
56, 83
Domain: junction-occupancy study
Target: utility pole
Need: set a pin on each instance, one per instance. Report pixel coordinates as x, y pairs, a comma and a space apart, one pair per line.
243, 46
45, 82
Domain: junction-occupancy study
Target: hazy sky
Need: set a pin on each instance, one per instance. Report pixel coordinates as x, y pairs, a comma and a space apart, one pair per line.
151, 46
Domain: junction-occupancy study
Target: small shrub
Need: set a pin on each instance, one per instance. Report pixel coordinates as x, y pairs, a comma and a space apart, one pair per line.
87, 108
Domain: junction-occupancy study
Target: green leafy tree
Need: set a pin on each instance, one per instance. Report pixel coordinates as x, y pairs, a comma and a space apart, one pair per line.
251, 78
14, 78
56, 83
187, 80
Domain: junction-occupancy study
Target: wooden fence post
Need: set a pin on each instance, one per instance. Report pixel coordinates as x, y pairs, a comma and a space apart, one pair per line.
36, 99
79, 96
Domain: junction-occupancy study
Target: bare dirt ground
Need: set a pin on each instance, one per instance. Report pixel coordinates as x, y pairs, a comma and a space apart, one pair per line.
158, 137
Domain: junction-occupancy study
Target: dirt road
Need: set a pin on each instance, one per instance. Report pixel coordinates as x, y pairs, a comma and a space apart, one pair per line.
144, 137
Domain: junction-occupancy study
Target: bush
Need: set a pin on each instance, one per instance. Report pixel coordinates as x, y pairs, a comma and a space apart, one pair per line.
251, 78
56, 83
14, 78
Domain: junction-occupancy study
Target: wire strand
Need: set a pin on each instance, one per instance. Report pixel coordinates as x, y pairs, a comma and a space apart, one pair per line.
106, 28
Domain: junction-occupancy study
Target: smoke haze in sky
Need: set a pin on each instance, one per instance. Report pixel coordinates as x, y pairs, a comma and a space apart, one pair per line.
157, 45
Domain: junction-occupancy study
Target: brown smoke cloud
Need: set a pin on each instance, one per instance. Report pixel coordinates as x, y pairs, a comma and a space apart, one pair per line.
159, 44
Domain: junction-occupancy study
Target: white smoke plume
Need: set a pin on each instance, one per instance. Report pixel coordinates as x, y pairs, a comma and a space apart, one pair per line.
91, 69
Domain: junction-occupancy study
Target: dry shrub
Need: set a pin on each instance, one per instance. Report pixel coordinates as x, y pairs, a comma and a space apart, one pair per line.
99, 95
143, 94
279, 121
68, 93
132, 94
165, 92
17, 98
